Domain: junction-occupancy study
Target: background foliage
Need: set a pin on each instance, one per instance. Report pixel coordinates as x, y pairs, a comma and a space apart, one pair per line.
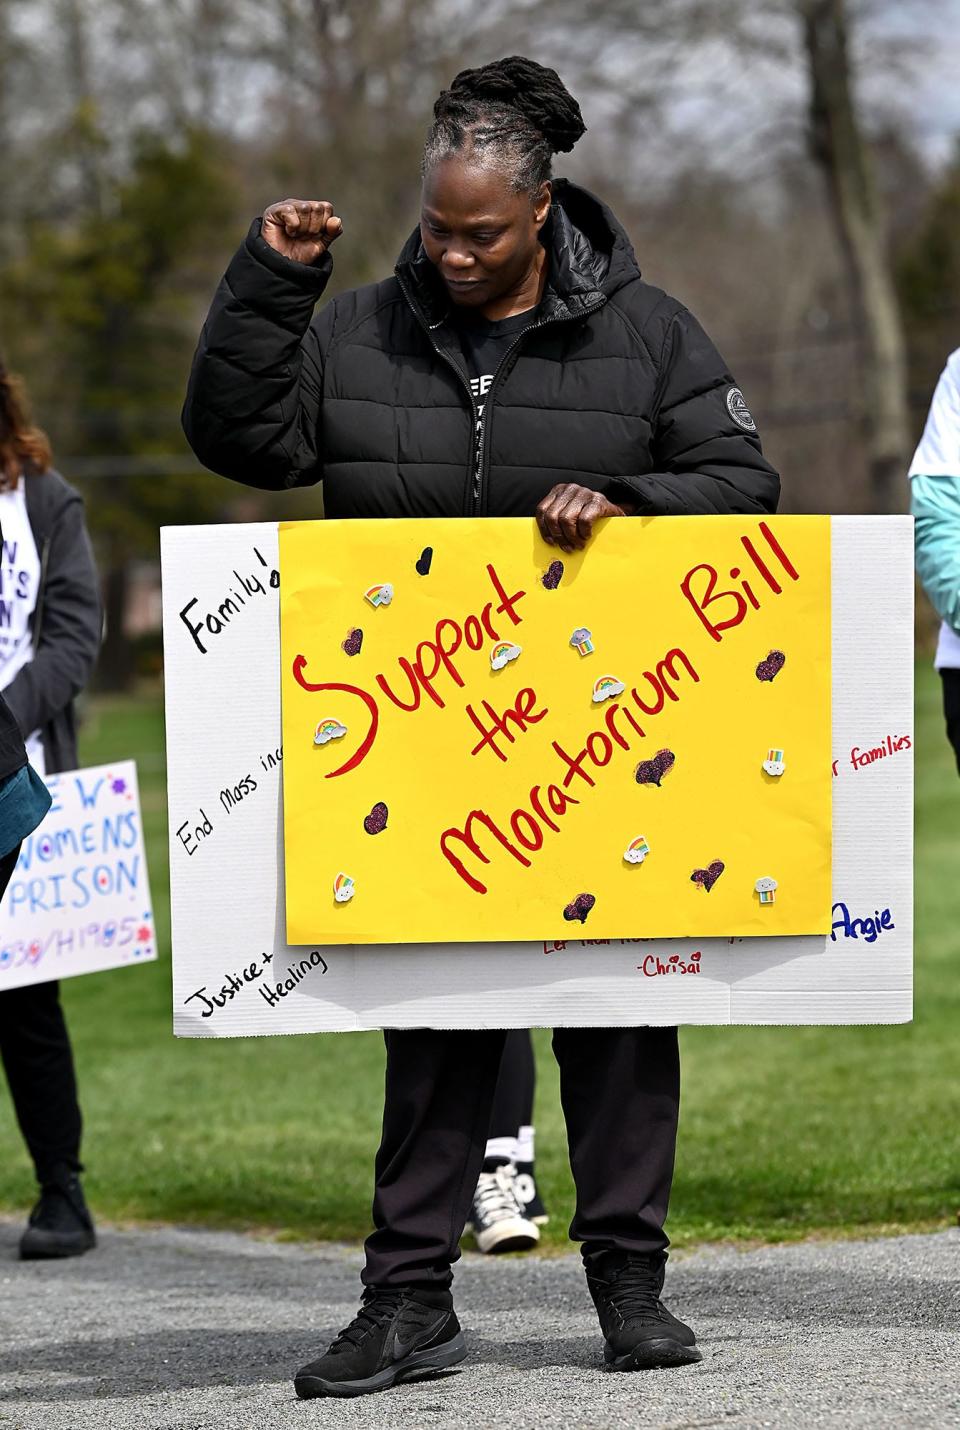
137, 141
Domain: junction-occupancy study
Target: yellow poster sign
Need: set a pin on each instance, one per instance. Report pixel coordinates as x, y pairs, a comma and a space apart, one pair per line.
488, 739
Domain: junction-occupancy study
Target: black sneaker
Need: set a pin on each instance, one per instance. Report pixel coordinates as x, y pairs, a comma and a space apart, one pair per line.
639, 1331
528, 1195
60, 1224
396, 1335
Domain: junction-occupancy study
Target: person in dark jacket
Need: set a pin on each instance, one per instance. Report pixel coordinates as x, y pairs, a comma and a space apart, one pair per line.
49, 636
515, 364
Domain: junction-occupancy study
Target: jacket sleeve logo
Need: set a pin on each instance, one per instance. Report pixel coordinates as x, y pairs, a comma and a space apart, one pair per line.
739, 410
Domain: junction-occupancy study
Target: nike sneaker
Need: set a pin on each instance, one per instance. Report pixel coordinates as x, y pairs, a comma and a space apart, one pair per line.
639, 1332
399, 1333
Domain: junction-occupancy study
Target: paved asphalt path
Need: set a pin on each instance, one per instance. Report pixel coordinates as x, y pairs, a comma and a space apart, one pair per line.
184, 1330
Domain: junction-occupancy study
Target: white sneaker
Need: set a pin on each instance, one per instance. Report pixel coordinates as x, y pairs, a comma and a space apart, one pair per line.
497, 1216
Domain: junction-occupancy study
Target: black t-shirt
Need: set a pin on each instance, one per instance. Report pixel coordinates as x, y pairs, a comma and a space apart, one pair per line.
484, 344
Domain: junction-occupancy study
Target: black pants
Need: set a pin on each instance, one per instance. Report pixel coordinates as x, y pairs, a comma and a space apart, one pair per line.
516, 1086
951, 708
620, 1090
35, 1049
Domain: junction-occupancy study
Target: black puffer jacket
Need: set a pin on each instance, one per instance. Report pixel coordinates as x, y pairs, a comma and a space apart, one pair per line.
617, 388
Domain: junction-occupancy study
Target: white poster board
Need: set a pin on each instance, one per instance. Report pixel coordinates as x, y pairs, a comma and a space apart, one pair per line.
234, 975
79, 898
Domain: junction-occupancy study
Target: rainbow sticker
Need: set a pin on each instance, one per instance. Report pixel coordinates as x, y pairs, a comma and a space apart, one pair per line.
329, 730
767, 889
773, 764
380, 595
343, 888
637, 850
606, 687
503, 653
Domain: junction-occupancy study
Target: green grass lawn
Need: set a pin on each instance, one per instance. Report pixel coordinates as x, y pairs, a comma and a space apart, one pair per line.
785, 1132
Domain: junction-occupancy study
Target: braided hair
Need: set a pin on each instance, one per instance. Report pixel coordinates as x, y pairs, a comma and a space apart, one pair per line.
512, 115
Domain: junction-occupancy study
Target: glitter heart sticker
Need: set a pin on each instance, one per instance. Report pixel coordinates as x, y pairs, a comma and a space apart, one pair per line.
552, 576
376, 821
651, 772
706, 878
772, 666
578, 910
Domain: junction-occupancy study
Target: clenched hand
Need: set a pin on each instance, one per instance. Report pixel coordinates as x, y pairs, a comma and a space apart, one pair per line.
301, 229
567, 515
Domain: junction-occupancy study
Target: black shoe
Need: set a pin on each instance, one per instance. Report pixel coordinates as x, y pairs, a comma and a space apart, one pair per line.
60, 1224
640, 1332
528, 1195
396, 1335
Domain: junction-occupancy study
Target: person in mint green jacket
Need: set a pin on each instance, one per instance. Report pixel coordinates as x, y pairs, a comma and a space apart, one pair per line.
935, 503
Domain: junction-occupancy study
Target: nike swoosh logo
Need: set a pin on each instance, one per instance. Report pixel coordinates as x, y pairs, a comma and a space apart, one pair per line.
404, 1348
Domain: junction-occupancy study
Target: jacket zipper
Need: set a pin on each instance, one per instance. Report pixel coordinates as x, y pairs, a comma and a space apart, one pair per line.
442, 353
488, 400
478, 451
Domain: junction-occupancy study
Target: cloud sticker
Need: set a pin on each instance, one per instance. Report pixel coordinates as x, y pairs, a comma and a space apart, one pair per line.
765, 886
343, 888
774, 767
637, 850
329, 730
606, 688
503, 653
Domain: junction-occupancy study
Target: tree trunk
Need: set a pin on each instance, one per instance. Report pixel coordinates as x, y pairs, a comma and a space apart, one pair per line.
837, 145
72, 20
8, 213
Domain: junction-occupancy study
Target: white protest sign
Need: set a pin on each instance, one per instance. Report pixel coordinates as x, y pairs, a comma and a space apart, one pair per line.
79, 898
234, 975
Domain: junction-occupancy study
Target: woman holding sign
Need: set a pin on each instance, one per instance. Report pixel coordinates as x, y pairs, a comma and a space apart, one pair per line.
515, 364
49, 638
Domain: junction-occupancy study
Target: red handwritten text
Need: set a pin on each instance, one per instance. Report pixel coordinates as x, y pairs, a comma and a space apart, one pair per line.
713, 625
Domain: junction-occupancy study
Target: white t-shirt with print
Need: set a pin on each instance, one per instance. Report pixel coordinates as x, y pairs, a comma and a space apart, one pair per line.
19, 586
938, 455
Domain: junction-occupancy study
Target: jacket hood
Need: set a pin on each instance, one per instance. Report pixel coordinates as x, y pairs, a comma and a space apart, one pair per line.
591, 257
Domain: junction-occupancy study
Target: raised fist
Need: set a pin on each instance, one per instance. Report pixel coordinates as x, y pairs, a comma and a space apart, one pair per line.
301, 229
